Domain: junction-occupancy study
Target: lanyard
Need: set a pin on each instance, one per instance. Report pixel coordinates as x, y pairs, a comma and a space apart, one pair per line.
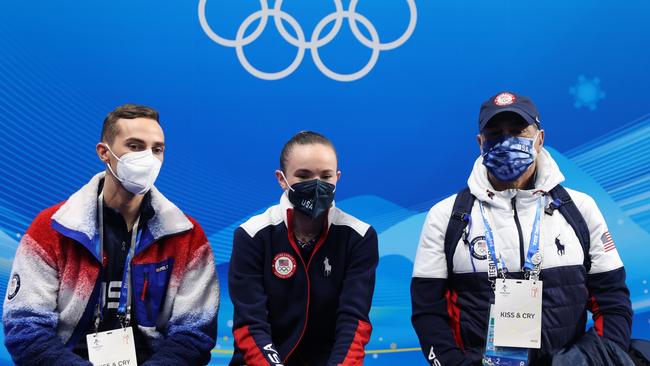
124, 306
533, 258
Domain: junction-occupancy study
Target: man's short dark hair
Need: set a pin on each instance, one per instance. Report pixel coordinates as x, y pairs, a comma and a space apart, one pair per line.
126, 111
303, 138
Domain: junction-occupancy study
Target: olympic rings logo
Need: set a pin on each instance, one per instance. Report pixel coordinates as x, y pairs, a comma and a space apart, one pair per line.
316, 41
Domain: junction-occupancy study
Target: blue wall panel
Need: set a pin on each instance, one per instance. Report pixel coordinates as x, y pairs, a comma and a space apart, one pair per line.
405, 129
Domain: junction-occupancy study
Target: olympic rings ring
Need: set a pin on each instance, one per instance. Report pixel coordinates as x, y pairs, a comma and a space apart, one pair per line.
314, 43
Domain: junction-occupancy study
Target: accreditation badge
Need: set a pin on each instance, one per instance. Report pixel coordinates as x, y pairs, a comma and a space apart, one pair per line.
502, 356
112, 348
518, 313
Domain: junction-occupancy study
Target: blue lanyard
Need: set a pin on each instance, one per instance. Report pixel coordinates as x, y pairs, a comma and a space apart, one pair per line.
533, 246
489, 239
124, 306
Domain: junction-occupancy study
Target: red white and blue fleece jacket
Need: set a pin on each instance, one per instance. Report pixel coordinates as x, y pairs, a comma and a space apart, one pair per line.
290, 310
56, 285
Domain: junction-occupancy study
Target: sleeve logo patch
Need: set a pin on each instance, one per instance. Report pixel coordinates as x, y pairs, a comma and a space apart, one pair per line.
14, 286
478, 248
608, 242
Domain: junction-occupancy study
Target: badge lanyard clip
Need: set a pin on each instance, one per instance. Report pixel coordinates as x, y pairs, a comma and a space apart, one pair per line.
98, 315
534, 274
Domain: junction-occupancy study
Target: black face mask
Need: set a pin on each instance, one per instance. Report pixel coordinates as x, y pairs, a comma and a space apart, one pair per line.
312, 197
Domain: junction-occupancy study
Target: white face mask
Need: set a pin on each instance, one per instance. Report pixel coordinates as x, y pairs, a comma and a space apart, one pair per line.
137, 171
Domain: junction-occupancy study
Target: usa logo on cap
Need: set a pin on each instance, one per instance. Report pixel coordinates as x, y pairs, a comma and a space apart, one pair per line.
284, 265
505, 99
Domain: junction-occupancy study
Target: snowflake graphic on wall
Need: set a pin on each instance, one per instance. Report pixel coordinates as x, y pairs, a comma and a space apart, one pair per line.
587, 92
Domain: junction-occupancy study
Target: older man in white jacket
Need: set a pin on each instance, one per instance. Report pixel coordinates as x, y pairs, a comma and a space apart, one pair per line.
515, 222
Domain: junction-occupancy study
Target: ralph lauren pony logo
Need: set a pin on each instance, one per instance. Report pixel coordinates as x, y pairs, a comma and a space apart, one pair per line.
328, 267
559, 246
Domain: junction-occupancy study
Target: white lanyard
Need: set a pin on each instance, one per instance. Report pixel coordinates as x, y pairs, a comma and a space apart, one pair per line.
124, 307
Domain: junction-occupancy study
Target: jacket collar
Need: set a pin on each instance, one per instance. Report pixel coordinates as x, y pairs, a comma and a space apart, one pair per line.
77, 218
547, 177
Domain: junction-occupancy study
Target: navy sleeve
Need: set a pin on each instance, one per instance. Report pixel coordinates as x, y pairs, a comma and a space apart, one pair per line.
251, 328
36, 342
352, 322
431, 322
609, 302
609, 298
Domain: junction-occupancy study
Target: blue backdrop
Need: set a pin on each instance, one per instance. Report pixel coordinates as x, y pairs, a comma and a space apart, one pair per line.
404, 128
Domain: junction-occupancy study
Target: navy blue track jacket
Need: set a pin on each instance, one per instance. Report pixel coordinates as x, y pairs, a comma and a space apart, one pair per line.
291, 310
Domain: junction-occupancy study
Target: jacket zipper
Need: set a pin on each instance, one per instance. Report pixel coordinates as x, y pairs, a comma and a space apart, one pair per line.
304, 327
521, 234
306, 268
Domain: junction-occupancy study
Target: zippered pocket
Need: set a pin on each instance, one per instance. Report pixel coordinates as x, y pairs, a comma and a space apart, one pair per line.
150, 281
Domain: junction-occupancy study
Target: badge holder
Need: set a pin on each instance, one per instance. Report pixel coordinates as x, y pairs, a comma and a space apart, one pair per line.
502, 356
114, 347
513, 351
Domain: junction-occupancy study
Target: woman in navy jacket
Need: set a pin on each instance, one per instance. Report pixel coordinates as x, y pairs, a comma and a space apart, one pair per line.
302, 273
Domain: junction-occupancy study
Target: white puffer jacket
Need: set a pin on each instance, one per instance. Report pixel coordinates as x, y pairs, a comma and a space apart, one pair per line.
568, 289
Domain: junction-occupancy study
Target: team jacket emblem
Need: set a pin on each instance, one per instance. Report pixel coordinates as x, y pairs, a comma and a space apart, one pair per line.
284, 265
478, 248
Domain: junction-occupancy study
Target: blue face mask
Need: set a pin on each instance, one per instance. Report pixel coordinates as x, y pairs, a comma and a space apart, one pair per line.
509, 157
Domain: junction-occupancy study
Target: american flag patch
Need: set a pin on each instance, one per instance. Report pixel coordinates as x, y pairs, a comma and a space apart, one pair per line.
608, 242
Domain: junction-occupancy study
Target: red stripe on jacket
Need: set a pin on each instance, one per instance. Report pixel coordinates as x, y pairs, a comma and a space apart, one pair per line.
598, 317
454, 317
252, 354
356, 352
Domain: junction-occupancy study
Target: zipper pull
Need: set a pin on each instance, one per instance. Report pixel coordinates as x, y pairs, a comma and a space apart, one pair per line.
143, 297
143, 294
